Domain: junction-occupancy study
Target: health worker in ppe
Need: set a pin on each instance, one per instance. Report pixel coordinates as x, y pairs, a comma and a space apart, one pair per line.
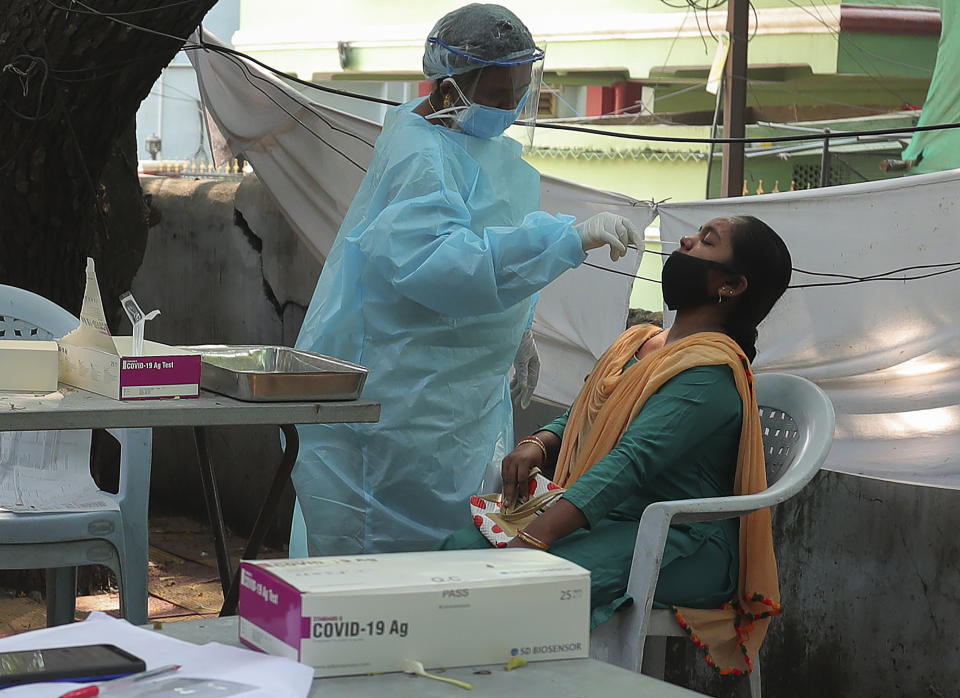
431, 284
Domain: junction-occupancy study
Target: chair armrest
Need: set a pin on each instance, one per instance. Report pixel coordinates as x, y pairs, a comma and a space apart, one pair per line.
652, 534
658, 517
713, 508
135, 461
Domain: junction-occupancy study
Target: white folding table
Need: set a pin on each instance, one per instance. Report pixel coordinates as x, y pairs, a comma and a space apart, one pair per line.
566, 678
80, 409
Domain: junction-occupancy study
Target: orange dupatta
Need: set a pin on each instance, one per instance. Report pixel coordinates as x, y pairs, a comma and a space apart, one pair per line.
610, 400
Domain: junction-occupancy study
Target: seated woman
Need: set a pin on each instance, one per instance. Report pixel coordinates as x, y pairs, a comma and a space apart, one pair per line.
666, 415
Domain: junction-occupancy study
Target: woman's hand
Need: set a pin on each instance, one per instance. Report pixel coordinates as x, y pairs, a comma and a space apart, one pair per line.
560, 520
515, 470
517, 542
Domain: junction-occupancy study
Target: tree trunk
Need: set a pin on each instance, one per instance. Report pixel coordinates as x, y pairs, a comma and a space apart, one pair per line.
71, 80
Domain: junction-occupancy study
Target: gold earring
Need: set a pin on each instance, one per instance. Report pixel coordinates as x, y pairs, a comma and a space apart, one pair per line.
447, 102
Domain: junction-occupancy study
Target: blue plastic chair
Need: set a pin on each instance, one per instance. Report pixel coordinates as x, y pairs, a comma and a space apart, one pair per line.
798, 424
60, 542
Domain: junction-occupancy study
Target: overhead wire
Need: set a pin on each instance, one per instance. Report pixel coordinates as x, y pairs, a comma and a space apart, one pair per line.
819, 97
68, 120
245, 71
628, 136
876, 278
695, 5
113, 17
621, 273
600, 132
247, 74
184, 93
292, 78
24, 75
145, 10
175, 99
307, 104
559, 95
846, 279
703, 39
880, 276
676, 37
750, 140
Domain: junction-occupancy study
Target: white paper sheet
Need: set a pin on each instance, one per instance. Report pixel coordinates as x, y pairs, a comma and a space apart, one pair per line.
46, 471
274, 677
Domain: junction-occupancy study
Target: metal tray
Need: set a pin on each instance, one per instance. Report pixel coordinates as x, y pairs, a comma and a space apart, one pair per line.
266, 373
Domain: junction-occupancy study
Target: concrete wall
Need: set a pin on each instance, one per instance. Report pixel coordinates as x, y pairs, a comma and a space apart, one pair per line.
869, 569
871, 589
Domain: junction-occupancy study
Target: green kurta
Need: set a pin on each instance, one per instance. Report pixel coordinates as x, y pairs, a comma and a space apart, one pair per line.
682, 445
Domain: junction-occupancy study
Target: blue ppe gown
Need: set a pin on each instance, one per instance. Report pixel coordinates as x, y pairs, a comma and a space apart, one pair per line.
430, 284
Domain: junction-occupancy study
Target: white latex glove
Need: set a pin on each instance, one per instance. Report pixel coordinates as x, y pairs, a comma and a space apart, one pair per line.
609, 229
526, 371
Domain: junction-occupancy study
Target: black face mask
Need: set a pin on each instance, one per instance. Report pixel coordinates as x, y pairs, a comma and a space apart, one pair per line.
684, 279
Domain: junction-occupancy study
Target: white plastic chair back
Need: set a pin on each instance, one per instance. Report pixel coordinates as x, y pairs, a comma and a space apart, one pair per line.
798, 425
25, 315
58, 542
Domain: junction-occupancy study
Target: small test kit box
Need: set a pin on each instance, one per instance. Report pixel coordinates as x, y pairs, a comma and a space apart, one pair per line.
368, 613
93, 359
28, 365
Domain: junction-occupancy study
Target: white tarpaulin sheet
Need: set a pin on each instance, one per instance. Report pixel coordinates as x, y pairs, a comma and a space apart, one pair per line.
886, 352
312, 159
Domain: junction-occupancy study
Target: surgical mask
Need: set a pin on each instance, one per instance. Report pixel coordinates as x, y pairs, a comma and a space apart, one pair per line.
684, 280
482, 121
488, 122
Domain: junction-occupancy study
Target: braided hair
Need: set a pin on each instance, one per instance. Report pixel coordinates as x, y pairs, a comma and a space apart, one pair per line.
763, 258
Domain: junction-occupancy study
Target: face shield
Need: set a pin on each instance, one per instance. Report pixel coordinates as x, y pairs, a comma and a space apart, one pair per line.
489, 96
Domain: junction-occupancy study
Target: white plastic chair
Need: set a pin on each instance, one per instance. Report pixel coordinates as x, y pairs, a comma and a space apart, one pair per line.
61, 541
798, 421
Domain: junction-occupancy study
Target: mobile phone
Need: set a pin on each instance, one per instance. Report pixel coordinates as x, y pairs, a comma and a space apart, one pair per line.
78, 663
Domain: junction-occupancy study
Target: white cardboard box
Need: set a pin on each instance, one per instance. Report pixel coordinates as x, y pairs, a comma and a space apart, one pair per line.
93, 359
162, 371
28, 365
368, 613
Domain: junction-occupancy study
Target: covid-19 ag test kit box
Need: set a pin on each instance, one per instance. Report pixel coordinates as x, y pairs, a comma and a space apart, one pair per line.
124, 368
368, 613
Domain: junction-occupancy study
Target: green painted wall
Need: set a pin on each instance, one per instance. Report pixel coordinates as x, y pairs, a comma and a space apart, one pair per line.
629, 166
887, 55
889, 93
898, 3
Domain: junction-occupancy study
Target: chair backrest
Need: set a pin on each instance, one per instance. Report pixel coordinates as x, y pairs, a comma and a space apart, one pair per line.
780, 436
798, 423
25, 315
